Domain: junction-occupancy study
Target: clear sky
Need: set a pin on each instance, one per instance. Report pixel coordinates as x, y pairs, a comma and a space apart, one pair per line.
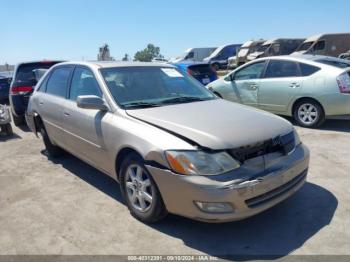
75, 29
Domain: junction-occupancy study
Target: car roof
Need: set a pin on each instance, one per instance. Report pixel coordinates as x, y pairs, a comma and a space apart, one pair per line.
317, 37
273, 40
109, 64
40, 61
253, 42
309, 59
187, 64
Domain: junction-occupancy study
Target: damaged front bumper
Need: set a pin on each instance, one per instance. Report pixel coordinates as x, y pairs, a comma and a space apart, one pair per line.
248, 190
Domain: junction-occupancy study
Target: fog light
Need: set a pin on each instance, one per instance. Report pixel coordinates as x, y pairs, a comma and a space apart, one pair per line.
214, 207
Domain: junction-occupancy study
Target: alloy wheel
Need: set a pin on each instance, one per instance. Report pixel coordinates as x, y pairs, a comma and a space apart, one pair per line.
139, 188
308, 114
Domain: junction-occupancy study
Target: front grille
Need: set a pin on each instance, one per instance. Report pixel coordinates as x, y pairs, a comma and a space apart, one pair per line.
275, 193
284, 144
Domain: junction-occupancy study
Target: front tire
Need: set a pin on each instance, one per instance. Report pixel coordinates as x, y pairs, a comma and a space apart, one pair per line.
51, 149
139, 190
309, 113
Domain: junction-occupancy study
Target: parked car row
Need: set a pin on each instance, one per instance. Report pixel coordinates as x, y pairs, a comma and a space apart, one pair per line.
217, 57
233, 55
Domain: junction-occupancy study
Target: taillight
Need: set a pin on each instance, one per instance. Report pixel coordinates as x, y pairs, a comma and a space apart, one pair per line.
189, 71
20, 90
344, 83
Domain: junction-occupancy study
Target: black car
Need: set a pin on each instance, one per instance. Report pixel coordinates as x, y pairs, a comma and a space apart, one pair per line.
5, 81
22, 87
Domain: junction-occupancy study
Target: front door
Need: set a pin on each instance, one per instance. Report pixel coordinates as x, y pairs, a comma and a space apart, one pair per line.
84, 127
246, 83
278, 86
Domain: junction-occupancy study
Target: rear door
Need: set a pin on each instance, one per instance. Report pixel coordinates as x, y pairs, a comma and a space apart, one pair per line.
50, 102
280, 83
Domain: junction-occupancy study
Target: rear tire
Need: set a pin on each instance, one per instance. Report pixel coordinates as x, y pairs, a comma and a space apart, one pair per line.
139, 190
18, 120
309, 113
51, 149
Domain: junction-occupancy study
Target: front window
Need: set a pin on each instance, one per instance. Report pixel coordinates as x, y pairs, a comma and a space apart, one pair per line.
137, 87
263, 48
305, 46
190, 55
83, 83
253, 71
319, 46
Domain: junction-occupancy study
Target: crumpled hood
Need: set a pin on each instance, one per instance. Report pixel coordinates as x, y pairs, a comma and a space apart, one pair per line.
215, 124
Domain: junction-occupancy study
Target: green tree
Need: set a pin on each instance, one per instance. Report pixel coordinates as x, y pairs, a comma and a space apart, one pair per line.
126, 57
147, 54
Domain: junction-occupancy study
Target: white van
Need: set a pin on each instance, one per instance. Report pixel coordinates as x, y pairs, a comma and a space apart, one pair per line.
194, 54
325, 44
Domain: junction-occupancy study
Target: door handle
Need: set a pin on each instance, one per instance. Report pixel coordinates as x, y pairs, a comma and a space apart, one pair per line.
294, 85
66, 114
41, 103
253, 86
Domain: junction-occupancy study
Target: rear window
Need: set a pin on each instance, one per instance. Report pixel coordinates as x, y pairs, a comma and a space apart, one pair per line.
200, 70
25, 71
336, 63
280, 68
307, 70
58, 81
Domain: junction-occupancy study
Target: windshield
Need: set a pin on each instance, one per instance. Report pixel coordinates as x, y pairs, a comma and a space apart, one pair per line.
216, 51
137, 87
243, 51
263, 48
336, 63
305, 46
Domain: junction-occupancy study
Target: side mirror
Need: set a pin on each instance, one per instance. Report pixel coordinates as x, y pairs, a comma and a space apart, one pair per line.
92, 102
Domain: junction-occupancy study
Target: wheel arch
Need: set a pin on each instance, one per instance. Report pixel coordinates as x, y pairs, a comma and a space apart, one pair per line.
305, 98
122, 153
37, 122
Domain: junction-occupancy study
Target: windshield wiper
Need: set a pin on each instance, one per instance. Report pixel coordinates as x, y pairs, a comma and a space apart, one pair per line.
182, 99
140, 105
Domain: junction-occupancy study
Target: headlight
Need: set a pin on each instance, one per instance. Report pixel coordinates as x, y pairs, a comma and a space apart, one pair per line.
296, 138
200, 163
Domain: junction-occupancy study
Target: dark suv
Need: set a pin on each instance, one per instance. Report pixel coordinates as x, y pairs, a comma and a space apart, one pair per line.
22, 87
5, 80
